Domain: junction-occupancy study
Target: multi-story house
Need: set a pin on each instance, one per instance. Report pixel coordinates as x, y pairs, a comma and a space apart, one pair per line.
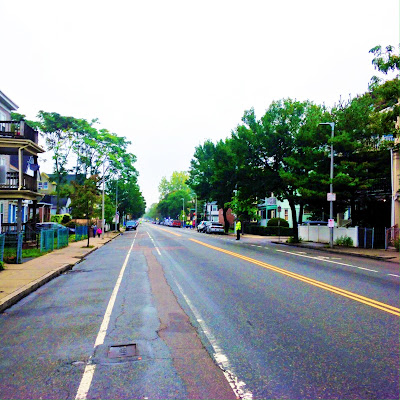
271, 207
211, 212
19, 151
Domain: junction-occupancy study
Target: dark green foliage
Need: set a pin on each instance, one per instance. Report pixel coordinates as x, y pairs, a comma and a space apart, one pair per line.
268, 230
274, 222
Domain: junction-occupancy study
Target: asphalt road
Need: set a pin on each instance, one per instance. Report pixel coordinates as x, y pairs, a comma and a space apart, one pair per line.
280, 323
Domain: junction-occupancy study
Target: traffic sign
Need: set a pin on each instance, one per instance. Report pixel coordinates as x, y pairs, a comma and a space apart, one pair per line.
331, 196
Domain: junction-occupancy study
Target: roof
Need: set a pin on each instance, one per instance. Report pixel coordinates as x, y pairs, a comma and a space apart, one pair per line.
7, 103
78, 178
51, 199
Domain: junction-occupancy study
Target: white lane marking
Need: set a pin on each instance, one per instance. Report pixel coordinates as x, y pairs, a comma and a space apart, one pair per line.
88, 374
397, 276
367, 269
158, 251
318, 258
239, 387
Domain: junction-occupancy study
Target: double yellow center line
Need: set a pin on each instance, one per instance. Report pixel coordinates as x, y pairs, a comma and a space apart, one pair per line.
325, 286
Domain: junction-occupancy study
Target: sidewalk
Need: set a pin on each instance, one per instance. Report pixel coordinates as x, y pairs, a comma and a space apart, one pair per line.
19, 280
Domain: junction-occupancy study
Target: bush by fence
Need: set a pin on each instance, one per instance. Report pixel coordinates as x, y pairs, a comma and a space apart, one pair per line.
268, 230
278, 221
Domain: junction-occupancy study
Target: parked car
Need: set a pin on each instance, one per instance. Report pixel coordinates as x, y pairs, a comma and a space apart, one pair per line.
215, 227
201, 226
131, 225
176, 223
53, 225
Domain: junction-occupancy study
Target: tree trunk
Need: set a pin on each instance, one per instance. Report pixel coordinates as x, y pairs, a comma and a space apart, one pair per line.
88, 226
294, 221
226, 222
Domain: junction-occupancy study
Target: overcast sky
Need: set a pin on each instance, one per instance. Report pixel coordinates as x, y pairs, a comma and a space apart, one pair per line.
170, 74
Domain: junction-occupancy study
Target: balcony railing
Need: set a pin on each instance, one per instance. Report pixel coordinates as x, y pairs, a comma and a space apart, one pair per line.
12, 182
18, 130
27, 227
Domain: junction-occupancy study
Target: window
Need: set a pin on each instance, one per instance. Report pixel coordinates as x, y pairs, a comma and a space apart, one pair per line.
40, 185
45, 185
3, 117
286, 214
214, 208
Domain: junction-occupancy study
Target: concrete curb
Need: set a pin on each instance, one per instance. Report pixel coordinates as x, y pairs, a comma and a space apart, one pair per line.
19, 294
29, 288
328, 250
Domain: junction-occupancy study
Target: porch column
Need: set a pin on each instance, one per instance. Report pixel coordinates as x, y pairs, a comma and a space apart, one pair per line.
34, 208
19, 216
21, 172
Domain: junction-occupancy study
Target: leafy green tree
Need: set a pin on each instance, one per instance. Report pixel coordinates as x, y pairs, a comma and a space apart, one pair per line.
153, 212
178, 181
362, 165
279, 152
85, 200
202, 169
60, 134
172, 204
385, 93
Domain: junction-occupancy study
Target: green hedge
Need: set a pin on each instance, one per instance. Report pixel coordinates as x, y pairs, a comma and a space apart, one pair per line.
274, 222
61, 218
268, 230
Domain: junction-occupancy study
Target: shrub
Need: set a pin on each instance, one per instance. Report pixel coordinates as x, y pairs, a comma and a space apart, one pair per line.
268, 230
1, 265
60, 218
397, 244
66, 218
344, 241
291, 240
274, 222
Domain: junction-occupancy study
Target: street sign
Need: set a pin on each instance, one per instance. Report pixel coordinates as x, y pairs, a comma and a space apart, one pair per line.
331, 196
331, 223
279, 209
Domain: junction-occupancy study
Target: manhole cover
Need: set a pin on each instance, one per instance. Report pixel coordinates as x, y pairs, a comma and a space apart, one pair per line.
123, 351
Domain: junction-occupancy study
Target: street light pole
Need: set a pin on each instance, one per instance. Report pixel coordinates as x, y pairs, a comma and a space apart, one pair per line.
183, 211
102, 204
195, 217
332, 125
116, 205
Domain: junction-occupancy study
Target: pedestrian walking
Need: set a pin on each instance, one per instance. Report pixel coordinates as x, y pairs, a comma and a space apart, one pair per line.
99, 232
238, 230
194, 224
94, 227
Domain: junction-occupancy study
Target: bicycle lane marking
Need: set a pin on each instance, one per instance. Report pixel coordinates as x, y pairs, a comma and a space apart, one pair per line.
90, 368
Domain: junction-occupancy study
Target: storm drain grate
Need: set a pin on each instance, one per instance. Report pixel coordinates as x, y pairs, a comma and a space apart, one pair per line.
123, 351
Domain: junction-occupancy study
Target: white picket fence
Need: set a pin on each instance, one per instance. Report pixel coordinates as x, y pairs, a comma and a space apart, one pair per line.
321, 234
